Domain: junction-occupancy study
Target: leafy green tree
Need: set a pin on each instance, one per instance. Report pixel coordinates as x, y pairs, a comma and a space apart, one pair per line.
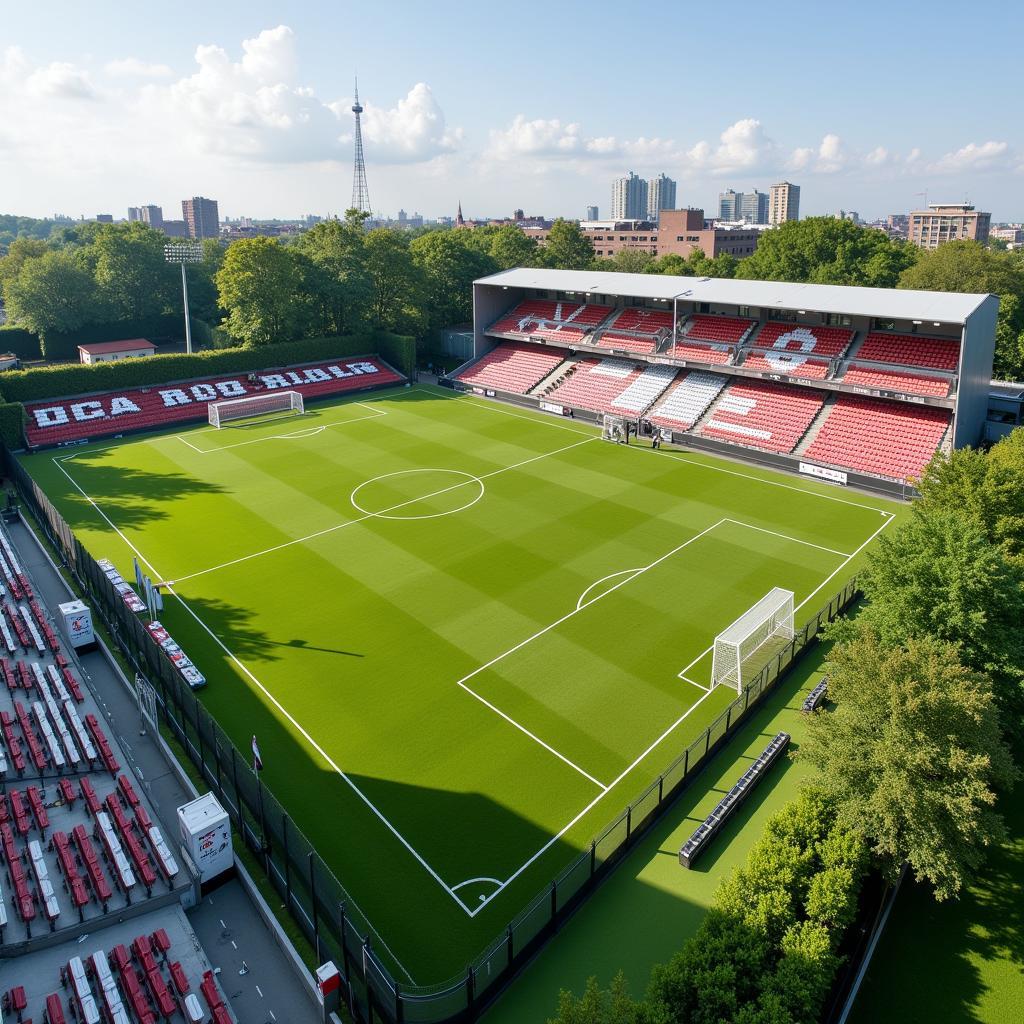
449, 264
629, 261
674, 264
18, 253
53, 292
567, 247
263, 287
597, 1006
825, 250
202, 283
511, 247
966, 266
134, 279
336, 249
912, 755
937, 574
397, 299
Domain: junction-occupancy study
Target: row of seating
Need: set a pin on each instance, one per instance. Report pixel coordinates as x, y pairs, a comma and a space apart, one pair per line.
815, 698
513, 367
643, 321
828, 342
687, 400
910, 350
730, 330
763, 414
693, 353
624, 342
896, 380
787, 364
61, 421
596, 384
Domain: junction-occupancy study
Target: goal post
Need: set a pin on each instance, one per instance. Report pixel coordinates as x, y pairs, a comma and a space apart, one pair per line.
614, 428
254, 405
770, 619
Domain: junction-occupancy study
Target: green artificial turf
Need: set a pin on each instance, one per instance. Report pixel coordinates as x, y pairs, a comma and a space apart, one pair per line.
428, 609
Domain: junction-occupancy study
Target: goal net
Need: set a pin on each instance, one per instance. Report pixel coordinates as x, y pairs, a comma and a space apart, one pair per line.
255, 405
613, 428
771, 619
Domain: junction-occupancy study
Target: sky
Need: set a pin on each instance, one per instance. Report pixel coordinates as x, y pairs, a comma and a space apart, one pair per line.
532, 105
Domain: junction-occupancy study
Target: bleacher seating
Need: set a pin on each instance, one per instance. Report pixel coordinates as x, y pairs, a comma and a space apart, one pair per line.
61, 421
910, 350
763, 414
789, 364
524, 317
643, 321
801, 339
644, 390
625, 342
563, 320
597, 384
694, 353
512, 367
815, 698
896, 380
713, 823
870, 435
723, 330
687, 400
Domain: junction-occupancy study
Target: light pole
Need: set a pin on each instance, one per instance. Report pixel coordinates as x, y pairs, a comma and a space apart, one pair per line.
184, 252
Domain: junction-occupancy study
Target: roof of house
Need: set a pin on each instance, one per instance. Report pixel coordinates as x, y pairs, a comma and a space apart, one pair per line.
101, 348
899, 304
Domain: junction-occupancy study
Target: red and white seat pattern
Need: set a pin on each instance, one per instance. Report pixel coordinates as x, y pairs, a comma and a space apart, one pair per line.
512, 367
911, 350
870, 435
686, 401
727, 330
787, 364
700, 353
115, 412
524, 317
563, 321
625, 342
643, 321
766, 415
597, 384
802, 340
896, 380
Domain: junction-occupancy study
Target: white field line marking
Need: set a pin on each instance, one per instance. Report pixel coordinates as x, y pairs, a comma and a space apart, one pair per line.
376, 515
676, 456
582, 603
280, 707
786, 536
470, 881
533, 736
593, 803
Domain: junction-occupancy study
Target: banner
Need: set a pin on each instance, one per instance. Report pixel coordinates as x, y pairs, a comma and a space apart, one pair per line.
833, 475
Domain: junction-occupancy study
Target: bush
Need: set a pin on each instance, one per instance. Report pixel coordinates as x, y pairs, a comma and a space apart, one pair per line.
24, 344
12, 424
58, 381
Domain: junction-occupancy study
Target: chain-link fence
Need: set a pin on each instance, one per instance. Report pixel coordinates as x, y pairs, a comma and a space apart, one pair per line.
317, 901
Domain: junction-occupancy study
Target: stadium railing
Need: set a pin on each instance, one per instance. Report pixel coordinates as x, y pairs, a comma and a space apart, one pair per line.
315, 898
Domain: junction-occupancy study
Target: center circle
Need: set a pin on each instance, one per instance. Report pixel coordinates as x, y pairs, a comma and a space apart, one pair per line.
399, 494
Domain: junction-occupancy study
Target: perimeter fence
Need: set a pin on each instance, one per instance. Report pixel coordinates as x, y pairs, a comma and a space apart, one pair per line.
320, 905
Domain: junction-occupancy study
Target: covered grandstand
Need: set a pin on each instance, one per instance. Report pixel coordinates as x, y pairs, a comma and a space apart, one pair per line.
855, 385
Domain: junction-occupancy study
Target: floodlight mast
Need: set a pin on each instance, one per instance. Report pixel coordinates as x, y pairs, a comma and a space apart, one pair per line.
184, 252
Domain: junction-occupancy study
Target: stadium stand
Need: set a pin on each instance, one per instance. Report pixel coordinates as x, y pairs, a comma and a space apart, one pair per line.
910, 350
564, 321
700, 353
687, 400
896, 380
643, 321
727, 330
789, 364
827, 342
625, 342
887, 439
512, 367
612, 386
63, 421
763, 414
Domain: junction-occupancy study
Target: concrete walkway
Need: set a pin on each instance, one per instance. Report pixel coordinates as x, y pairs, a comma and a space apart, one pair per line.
227, 923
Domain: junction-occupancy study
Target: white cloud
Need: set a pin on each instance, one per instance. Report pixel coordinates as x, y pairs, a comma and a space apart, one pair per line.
132, 67
60, 81
413, 130
743, 145
972, 157
540, 138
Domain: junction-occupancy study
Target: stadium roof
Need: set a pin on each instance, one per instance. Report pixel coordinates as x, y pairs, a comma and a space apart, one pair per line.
899, 304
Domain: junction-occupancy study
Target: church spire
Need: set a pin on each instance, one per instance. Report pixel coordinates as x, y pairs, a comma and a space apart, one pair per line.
460, 221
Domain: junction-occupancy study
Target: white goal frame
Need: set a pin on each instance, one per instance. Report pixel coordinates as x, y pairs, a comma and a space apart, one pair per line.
614, 428
771, 617
254, 405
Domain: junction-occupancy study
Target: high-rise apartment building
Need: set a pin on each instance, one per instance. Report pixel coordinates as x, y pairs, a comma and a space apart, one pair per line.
661, 195
593, 213
729, 205
783, 202
754, 207
629, 198
947, 222
201, 216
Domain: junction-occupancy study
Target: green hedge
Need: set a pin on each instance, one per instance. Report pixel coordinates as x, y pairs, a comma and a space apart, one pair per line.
24, 344
58, 346
78, 379
12, 423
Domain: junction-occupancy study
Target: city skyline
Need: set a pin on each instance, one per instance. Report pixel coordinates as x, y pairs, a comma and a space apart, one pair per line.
255, 105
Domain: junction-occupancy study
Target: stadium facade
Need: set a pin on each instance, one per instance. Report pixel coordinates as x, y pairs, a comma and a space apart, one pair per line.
855, 385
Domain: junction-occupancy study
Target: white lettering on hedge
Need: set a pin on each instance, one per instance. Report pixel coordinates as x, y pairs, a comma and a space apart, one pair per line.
86, 410
120, 405
175, 396
230, 388
54, 416
203, 392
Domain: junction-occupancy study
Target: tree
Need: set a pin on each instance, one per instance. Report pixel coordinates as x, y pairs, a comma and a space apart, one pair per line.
825, 250
449, 264
966, 266
567, 247
912, 755
342, 284
510, 247
396, 301
202, 284
18, 253
134, 279
53, 292
629, 261
597, 1006
937, 574
263, 286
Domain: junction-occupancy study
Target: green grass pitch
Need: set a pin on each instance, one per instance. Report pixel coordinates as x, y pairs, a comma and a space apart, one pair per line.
465, 635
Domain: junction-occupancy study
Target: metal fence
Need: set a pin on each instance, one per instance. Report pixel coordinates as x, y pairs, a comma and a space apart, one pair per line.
326, 914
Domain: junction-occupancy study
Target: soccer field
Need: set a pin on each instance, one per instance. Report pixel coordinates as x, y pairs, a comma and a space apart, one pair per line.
465, 635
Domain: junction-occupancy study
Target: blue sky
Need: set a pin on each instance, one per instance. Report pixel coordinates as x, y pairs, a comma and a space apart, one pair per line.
106, 105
